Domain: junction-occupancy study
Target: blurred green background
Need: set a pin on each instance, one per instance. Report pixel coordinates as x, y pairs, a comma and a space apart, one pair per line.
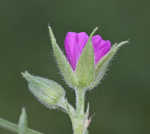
120, 105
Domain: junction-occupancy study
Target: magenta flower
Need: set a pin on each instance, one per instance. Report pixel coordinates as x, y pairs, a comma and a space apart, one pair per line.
75, 42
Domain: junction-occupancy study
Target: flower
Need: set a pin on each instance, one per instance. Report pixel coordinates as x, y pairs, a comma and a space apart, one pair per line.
75, 42
87, 58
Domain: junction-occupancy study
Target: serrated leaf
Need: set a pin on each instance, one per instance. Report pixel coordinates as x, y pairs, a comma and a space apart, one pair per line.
63, 63
85, 70
22, 125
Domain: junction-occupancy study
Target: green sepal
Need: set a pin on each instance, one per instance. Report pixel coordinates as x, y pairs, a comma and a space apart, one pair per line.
85, 70
23, 123
48, 92
63, 64
103, 64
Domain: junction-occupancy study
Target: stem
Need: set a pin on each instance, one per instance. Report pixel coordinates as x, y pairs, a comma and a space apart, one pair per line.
14, 128
80, 101
78, 116
78, 120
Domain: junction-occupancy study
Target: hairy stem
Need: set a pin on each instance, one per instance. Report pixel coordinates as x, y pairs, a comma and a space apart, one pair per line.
80, 101
78, 120
14, 128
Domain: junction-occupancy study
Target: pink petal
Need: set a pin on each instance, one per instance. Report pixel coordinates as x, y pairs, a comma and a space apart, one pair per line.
74, 44
101, 47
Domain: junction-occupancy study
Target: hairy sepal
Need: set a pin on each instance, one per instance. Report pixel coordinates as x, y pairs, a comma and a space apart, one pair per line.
63, 64
103, 64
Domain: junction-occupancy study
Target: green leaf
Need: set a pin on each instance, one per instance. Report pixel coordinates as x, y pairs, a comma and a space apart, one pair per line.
23, 123
103, 64
85, 70
48, 92
63, 63
14, 128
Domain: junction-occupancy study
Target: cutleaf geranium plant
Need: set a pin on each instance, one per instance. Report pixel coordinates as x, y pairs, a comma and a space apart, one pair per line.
86, 61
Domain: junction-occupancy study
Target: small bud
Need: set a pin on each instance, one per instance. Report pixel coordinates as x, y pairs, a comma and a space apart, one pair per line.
48, 92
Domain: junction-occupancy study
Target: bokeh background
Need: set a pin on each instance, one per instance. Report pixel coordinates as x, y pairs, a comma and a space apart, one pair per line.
120, 105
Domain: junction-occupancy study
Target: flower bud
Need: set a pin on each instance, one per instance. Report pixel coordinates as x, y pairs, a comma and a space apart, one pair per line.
48, 92
87, 58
